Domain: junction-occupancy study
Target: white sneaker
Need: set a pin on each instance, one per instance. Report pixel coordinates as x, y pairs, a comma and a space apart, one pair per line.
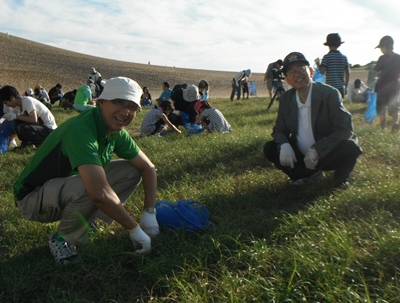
63, 252
12, 143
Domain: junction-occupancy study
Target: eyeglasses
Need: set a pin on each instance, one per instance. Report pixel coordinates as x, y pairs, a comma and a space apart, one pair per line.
299, 70
131, 107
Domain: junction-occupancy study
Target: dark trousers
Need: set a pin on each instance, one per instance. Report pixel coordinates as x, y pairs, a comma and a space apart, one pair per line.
235, 90
31, 132
342, 160
158, 125
175, 119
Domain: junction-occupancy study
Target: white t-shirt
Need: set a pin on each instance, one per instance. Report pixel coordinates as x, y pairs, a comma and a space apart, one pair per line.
352, 91
30, 104
95, 77
42, 96
305, 136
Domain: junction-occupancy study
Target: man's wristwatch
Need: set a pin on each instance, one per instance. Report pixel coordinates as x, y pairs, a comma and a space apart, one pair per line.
150, 210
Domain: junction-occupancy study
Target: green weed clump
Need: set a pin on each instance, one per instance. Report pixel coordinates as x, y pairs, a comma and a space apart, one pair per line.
268, 242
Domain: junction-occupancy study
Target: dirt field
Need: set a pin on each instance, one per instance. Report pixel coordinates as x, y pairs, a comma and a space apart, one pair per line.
25, 64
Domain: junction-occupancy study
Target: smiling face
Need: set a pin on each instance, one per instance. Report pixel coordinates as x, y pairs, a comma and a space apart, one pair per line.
117, 113
298, 75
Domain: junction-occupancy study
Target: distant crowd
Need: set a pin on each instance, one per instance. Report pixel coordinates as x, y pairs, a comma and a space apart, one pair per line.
183, 105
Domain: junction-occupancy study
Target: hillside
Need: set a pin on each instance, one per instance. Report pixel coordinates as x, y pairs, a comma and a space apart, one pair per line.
25, 63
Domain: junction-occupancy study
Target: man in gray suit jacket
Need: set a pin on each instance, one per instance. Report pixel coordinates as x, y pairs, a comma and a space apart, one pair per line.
313, 130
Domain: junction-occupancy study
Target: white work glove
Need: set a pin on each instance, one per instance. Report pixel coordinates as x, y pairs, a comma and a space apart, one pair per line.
287, 156
311, 158
148, 222
141, 241
10, 116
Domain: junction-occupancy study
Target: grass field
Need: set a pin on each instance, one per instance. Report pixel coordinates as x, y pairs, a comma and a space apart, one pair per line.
268, 242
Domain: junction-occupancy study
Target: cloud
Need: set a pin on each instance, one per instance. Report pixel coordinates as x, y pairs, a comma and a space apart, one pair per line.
217, 35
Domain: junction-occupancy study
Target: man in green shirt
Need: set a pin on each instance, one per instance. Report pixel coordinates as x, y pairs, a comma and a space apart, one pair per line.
72, 177
84, 98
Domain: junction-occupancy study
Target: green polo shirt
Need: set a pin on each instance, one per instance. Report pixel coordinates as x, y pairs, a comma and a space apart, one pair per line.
83, 95
80, 140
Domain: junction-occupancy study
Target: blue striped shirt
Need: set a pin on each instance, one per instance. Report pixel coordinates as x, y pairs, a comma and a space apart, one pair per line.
335, 63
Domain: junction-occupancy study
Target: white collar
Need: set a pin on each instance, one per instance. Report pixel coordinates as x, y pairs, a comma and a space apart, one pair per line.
308, 102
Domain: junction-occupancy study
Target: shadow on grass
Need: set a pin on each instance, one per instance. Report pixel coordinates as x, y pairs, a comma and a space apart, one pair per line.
259, 212
235, 160
110, 269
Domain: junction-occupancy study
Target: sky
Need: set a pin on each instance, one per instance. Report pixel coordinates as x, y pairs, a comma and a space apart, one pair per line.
226, 35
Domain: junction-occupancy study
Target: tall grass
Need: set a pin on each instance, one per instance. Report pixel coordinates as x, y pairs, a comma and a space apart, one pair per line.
268, 242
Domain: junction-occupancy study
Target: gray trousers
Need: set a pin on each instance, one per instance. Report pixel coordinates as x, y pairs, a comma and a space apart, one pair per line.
66, 199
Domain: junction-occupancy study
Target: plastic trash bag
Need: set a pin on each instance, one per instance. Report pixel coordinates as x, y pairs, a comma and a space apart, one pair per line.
253, 89
318, 77
371, 112
189, 215
5, 129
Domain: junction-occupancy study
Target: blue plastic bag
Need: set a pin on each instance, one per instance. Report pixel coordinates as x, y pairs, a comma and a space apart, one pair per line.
371, 112
5, 129
185, 119
194, 129
188, 215
318, 77
253, 89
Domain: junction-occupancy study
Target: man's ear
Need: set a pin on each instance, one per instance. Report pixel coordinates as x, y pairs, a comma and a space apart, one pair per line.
311, 72
100, 102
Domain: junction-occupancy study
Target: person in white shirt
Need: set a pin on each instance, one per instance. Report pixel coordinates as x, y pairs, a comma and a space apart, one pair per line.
236, 83
313, 131
98, 81
33, 121
94, 75
357, 91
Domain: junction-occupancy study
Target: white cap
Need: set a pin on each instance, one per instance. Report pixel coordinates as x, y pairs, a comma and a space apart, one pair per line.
121, 88
191, 93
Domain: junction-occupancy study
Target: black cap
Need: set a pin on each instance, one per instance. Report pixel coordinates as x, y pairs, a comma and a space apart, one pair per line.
333, 40
292, 58
385, 41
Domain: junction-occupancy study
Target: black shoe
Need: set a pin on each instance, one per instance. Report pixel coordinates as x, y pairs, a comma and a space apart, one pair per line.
317, 176
343, 185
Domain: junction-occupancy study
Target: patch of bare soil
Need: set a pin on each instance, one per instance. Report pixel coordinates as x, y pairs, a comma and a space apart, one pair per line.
25, 64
